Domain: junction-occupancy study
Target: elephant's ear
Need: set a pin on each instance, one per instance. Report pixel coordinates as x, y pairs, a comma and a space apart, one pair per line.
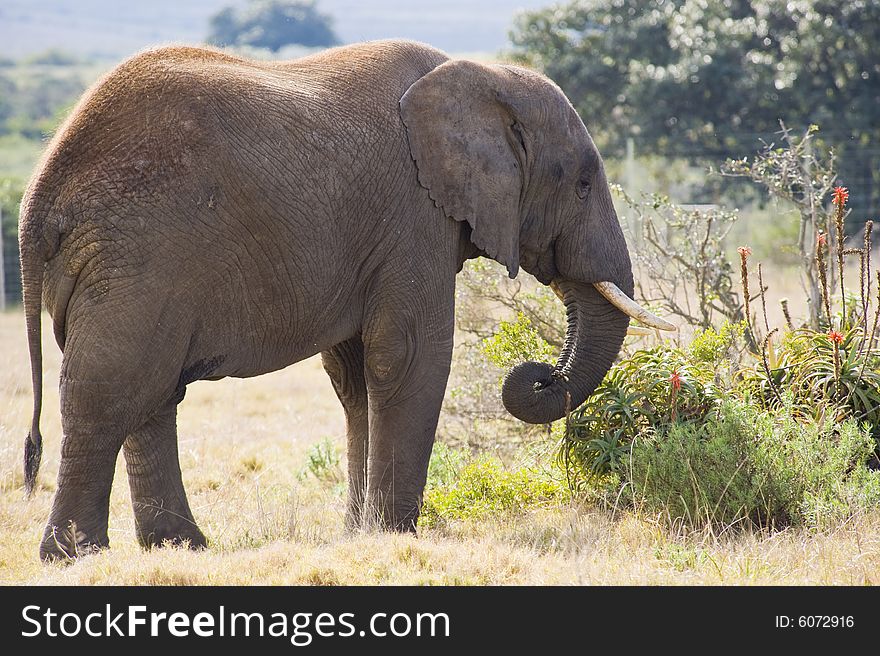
469, 150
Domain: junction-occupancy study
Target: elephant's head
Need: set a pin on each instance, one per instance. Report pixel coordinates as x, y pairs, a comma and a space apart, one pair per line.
501, 148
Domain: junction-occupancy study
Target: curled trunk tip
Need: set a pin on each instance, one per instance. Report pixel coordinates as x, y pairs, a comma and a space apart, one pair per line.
539, 393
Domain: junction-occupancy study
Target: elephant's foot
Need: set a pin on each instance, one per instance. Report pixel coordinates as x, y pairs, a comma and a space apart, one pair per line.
69, 543
355, 509
161, 511
398, 517
403, 522
157, 526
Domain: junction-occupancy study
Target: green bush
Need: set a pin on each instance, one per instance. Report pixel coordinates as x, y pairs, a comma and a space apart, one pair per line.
803, 365
643, 393
703, 435
445, 465
323, 462
515, 342
460, 488
745, 465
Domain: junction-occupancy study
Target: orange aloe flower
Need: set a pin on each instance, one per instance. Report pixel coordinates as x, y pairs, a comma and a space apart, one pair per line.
835, 336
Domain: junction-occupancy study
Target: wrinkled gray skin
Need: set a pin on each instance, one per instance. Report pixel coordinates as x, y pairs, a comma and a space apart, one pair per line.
202, 216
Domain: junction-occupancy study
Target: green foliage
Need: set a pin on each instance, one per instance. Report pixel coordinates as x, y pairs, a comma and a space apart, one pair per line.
714, 347
272, 24
742, 464
643, 393
690, 434
682, 73
476, 489
803, 367
445, 465
515, 342
323, 463
706, 77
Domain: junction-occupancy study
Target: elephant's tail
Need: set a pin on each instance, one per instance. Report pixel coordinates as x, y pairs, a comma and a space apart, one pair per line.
32, 266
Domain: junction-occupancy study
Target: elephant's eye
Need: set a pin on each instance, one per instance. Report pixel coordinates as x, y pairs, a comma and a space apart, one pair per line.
583, 188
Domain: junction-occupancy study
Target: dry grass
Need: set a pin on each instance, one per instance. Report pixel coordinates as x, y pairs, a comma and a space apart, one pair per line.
243, 442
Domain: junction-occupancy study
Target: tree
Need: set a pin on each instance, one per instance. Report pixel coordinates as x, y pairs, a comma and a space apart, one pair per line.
708, 78
272, 24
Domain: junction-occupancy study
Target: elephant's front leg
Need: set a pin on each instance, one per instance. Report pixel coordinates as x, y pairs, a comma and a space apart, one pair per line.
407, 366
344, 363
161, 510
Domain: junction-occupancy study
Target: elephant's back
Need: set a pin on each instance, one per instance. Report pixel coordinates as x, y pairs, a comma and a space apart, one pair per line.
167, 116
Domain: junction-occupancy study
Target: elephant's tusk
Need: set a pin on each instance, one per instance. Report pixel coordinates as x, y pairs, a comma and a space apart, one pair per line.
629, 307
638, 330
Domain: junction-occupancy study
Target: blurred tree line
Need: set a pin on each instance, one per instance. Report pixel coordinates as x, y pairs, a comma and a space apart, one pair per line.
37, 92
706, 79
272, 24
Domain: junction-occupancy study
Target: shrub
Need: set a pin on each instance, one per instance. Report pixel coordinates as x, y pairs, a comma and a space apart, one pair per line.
803, 365
832, 370
515, 342
272, 24
745, 465
460, 488
643, 393
697, 435
323, 462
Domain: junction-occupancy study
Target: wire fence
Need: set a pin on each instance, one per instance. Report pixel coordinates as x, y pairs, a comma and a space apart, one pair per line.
10, 273
857, 166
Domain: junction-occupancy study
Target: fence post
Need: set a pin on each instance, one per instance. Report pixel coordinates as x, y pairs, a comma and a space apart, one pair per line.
629, 183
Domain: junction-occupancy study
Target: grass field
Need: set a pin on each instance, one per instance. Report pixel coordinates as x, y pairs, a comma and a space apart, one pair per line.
243, 445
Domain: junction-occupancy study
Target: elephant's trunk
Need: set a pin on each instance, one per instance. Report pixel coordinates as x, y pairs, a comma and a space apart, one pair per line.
539, 393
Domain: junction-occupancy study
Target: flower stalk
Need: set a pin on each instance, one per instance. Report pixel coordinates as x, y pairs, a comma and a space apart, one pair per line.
841, 194
744, 252
821, 242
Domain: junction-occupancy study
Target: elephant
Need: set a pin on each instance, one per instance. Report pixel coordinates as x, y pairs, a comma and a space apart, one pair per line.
201, 215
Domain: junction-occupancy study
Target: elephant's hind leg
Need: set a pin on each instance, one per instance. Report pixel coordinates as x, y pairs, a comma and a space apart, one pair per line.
161, 509
344, 363
94, 428
121, 357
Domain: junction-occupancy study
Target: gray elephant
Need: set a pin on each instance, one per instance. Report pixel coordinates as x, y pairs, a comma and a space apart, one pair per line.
199, 216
